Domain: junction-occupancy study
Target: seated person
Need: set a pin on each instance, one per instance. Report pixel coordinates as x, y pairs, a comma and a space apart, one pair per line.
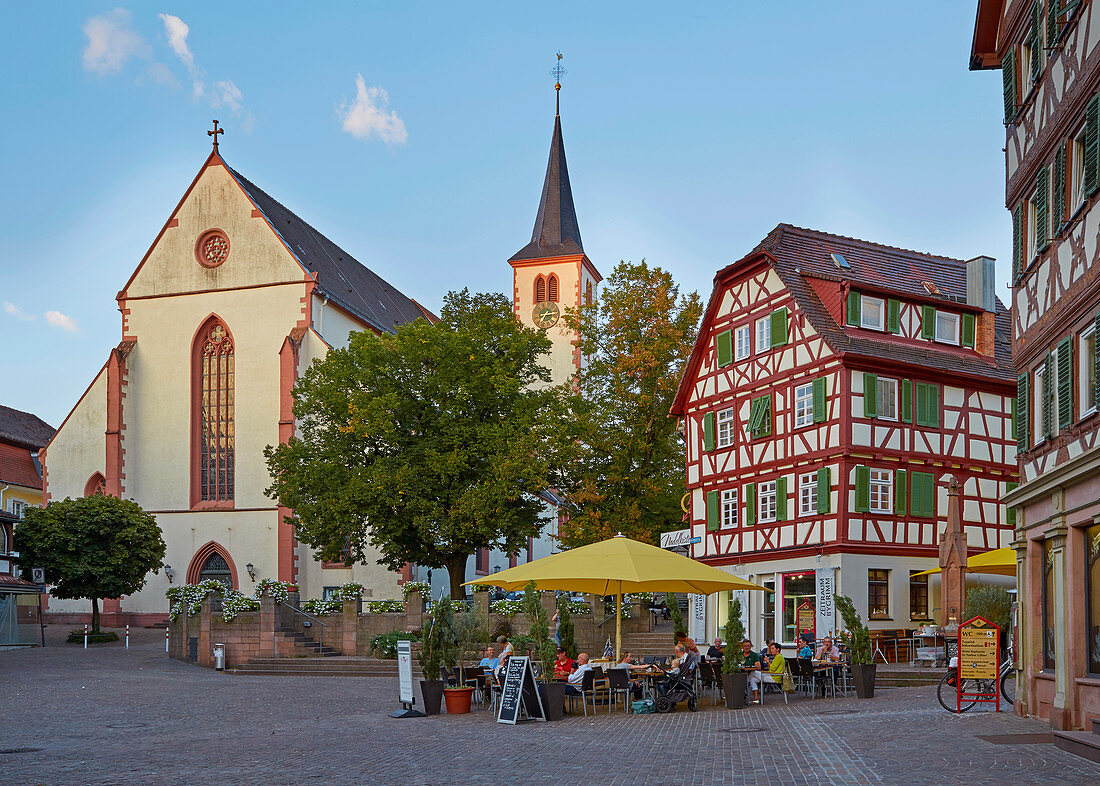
806, 653
506, 646
577, 676
828, 653
746, 659
689, 645
684, 661
774, 674
626, 662
563, 664
490, 661
502, 667
716, 651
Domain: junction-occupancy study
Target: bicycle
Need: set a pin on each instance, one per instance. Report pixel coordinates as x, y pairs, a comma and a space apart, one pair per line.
947, 692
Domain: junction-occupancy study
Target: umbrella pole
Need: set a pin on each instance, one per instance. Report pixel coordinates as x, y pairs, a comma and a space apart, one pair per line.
619, 627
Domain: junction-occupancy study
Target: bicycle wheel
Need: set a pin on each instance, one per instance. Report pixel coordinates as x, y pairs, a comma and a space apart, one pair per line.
948, 697
1008, 685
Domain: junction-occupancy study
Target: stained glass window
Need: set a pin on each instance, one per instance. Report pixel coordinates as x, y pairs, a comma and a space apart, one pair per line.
216, 415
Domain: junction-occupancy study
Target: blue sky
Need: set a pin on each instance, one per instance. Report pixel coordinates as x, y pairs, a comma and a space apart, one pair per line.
415, 135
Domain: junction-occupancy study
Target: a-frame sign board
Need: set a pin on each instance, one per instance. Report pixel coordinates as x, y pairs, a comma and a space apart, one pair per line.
520, 700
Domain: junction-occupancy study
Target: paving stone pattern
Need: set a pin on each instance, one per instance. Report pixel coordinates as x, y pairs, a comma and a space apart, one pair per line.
111, 716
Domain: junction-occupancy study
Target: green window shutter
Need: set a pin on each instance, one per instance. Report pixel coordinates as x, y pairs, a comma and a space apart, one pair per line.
820, 409
853, 308
1010, 512
1065, 382
1021, 413
754, 417
1042, 217
906, 401
779, 327
1052, 21
1013, 418
1048, 395
1092, 144
824, 490
766, 421
1017, 243
750, 504
708, 431
899, 492
915, 488
932, 405
863, 489
724, 345
922, 500
781, 498
1036, 40
1058, 194
928, 322
968, 325
922, 404
713, 510
1096, 360
1008, 75
893, 316
870, 395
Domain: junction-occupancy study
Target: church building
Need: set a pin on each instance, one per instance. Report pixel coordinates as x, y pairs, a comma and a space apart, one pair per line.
234, 299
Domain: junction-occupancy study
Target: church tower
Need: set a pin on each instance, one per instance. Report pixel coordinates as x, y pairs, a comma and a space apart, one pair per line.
552, 272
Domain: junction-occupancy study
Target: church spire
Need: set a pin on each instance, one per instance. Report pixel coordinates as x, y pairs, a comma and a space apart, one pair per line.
556, 232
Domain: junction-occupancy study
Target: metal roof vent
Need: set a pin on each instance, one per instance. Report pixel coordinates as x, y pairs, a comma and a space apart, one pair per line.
839, 260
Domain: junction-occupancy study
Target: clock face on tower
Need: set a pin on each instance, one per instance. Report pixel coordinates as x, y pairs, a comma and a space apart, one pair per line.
545, 315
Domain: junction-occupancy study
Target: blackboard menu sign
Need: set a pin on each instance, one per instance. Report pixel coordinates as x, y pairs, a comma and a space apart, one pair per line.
519, 699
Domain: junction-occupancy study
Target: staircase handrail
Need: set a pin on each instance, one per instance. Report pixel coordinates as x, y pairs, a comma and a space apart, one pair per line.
311, 618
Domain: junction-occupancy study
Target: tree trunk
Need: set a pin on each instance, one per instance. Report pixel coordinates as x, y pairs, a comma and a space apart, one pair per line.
456, 569
95, 615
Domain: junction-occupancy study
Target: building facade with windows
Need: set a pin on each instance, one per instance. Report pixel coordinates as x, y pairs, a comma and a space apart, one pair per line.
1049, 55
835, 383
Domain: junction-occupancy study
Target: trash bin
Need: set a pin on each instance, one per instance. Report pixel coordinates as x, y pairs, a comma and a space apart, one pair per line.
219, 657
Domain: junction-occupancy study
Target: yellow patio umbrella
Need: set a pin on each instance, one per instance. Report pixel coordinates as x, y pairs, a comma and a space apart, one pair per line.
618, 566
999, 562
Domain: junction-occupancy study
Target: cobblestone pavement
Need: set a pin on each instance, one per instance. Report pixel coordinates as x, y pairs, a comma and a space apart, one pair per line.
112, 716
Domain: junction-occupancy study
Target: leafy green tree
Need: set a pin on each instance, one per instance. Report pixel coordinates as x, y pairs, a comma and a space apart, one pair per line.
91, 547
539, 630
734, 630
427, 444
622, 464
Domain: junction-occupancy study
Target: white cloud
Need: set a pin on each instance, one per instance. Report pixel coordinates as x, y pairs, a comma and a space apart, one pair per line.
367, 117
18, 313
59, 320
227, 93
176, 30
111, 42
159, 73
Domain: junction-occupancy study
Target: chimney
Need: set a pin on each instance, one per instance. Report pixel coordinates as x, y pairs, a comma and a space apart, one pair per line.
979, 283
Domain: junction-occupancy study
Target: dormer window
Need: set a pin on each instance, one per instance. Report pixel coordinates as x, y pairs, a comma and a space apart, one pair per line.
873, 313
947, 327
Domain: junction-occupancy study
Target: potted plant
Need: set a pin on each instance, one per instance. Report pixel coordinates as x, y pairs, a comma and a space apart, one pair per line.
674, 614
457, 696
735, 682
438, 627
859, 648
551, 694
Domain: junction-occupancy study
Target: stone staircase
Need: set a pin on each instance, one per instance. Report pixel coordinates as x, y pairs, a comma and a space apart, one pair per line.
1082, 743
330, 666
303, 644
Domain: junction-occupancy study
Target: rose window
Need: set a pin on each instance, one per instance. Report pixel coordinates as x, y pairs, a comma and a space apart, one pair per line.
212, 248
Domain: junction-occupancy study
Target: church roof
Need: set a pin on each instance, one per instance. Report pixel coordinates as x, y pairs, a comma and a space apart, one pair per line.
556, 231
23, 428
341, 277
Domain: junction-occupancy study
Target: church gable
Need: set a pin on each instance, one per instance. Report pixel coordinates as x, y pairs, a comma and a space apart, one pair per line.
215, 239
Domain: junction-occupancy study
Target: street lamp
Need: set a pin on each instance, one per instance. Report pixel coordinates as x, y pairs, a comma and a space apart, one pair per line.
168, 572
251, 571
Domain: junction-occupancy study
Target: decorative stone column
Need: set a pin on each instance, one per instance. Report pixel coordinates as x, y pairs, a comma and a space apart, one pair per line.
482, 601
1062, 713
1024, 651
414, 611
349, 624
268, 648
952, 562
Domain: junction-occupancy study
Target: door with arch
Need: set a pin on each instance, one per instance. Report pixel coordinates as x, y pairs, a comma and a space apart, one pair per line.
215, 567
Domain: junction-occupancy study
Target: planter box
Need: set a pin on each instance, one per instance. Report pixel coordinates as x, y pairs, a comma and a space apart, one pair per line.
863, 675
432, 693
458, 700
735, 685
553, 699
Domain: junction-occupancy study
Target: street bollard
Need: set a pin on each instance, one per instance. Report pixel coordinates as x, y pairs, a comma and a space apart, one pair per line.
127, 637
166, 640
85, 635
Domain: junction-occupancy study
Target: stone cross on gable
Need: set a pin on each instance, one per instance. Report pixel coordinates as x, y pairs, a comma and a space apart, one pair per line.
215, 133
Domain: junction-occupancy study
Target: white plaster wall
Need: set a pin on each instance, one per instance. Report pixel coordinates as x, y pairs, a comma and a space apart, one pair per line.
79, 448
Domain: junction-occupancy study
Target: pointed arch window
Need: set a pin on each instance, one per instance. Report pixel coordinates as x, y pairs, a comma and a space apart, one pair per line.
552, 288
540, 289
213, 415
96, 484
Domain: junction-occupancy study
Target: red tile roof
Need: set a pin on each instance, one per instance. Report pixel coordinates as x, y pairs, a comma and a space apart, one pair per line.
19, 466
8, 580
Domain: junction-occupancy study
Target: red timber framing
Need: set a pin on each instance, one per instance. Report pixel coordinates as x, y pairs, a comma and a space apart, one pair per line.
971, 435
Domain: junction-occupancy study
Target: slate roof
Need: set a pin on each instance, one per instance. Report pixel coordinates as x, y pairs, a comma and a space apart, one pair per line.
800, 253
23, 428
556, 231
341, 277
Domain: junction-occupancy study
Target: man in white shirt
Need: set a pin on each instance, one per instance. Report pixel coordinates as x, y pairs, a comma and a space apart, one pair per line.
577, 677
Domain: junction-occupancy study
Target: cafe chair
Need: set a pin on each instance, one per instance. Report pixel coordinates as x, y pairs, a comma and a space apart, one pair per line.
802, 669
601, 687
618, 682
710, 680
585, 690
474, 677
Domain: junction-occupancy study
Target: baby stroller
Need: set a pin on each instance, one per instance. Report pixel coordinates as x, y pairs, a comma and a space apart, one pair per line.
677, 688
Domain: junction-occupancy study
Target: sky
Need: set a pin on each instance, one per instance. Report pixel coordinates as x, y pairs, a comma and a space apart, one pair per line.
415, 136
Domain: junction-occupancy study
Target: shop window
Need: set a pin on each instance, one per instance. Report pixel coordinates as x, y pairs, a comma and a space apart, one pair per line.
1092, 595
878, 594
769, 610
798, 589
918, 596
1049, 641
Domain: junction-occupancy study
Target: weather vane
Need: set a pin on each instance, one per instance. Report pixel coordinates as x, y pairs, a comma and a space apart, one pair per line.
557, 72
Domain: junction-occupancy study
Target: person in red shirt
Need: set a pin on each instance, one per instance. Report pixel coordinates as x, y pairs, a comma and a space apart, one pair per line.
563, 664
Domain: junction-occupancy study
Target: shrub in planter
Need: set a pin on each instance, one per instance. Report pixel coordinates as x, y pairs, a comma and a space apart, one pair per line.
734, 681
438, 650
859, 647
77, 637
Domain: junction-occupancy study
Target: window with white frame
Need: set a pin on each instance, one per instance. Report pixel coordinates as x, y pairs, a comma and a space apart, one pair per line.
17, 507
887, 398
725, 421
729, 508
1032, 247
743, 335
947, 327
882, 491
872, 313
1038, 389
1086, 359
803, 405
766, 502
807, 494
763, 334
1077, 170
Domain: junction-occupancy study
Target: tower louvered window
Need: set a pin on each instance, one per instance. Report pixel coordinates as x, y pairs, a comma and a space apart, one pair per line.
215, 413
540, 289
552, 288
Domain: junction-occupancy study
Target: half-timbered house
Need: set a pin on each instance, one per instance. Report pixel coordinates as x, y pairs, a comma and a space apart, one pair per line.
1049, 54
834, 384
